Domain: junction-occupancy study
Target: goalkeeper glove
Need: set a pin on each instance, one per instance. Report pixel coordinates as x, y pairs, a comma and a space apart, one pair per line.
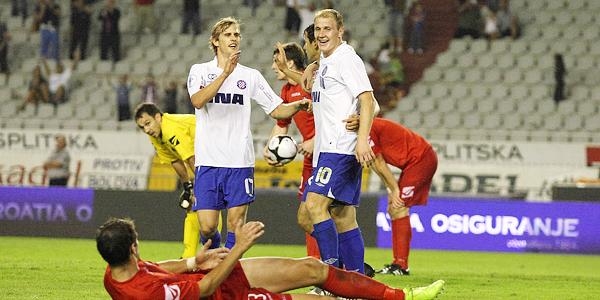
185, 199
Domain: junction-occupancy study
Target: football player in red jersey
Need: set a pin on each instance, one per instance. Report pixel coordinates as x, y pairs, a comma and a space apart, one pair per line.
290, 58
221, 274
405, 149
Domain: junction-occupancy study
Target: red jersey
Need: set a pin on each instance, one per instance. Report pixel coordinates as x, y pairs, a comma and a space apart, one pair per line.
399, 145
155, 283
304, 121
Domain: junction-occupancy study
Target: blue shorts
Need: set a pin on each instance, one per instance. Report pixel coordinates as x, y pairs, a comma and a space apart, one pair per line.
338, 177
221, 188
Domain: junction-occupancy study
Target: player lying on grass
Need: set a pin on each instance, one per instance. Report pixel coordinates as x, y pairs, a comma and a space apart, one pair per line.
222, 274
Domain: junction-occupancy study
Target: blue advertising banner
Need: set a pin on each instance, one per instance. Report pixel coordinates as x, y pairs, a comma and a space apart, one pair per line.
498, 225
45, 211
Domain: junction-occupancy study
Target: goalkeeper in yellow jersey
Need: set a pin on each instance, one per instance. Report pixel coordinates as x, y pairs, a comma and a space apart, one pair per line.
172, 136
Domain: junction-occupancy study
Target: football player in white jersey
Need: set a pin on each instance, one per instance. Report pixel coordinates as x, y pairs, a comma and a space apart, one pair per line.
341, 87
221, 91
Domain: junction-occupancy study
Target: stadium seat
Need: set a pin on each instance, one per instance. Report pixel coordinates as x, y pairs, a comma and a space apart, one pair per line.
439, 90
492, 76
45, 111
538, 47
540, 136
512, 121
573, 122
459, 91
506, 105
546, 107
433, 119
405, 105
452, 75
519, 135
498, 91
479, 91
560, 136
478, 46
506, 61
518, 47
580, 137
592, 123
453, 120
486, 105
588, 108
432, 75
567, 107
519, 93
411, 120
579, 92
500, 46
478, 135
526, 105
83, 112
486, 61
472, 121
72, 124
52, 124
473, 75
591, 34
425, 105
446, 105
512, 76
491, 121
466, 104
445, 59
458, 46
553, 122
465, 61
111, 125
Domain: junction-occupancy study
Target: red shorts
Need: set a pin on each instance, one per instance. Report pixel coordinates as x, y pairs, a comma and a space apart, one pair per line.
236, 287
415, 179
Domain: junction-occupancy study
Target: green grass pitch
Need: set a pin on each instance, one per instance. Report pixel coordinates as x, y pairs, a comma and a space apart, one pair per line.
44, 268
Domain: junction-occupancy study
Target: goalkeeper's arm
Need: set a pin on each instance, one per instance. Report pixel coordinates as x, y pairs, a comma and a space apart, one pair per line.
185, 199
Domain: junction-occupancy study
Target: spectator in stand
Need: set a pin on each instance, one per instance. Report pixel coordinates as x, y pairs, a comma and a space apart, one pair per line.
253, 5
149, 89
292, 18
38, 89
4, 39
57, 165
559, 75
191, 17
144, 17
19, 8
170, 102
58, 80
110, 36
508, 23
417, 22
490, 29
470, 21
396, 23
81, 19
122, 90
185, 103
48, 15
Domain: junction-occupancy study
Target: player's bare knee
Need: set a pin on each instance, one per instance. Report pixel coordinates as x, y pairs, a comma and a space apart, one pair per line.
315, 269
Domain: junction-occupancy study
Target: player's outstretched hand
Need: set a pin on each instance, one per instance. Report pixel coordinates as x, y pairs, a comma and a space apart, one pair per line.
208, 259
247, 234
352, 122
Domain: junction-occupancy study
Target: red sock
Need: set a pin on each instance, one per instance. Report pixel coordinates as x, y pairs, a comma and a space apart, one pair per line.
355, 285
401, 236
312, 248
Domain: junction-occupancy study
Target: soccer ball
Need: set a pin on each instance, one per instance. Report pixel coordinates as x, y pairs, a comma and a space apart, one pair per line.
282, 148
